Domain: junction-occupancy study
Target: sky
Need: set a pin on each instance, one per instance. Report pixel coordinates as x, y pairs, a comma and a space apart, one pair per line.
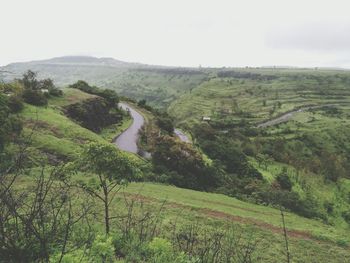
217, 33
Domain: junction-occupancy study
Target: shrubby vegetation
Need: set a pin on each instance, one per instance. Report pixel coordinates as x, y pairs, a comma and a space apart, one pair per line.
37, 91
11, 125
94, 114
109, 95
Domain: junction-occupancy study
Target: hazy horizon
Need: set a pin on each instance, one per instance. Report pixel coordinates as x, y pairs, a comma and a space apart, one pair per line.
180, 33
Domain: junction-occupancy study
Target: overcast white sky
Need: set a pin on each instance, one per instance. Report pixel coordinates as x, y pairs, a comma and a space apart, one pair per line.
179, 32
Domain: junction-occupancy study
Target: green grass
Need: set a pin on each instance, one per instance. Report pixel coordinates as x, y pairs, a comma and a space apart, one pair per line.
310, 240
54, 132
70, 96
229, 98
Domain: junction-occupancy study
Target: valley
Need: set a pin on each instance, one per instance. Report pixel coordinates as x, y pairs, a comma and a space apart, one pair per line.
274, 141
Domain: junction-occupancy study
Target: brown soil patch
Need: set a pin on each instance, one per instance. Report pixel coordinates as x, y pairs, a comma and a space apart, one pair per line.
235, 206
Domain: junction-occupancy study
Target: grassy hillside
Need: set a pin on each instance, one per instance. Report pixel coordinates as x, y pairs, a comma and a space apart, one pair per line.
58, 137
310, 240
54, 133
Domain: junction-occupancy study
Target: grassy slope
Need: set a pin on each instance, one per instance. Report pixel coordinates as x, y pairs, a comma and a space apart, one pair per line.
310, 240
70, 96
55, 134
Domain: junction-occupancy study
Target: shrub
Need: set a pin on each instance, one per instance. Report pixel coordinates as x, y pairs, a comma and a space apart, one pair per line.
55, 92
284, 181
346, 216
94, 113
102, 250
34, 97
15, 104
161, 250
165, 122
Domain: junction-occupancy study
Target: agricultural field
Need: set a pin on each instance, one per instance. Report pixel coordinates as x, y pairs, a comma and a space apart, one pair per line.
257, 95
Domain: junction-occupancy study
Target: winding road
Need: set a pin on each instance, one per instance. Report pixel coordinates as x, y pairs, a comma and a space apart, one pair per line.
128, 139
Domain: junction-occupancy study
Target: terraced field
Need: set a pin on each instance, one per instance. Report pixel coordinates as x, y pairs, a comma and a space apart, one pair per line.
261, 97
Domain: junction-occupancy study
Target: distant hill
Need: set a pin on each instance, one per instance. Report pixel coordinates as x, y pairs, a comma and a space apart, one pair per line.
159, 85
56, 67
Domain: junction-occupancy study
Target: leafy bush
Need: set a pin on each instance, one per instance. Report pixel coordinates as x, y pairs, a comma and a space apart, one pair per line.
166, 123
94, 114
102, 250
34, 97
284, 181
15, 104
184, 164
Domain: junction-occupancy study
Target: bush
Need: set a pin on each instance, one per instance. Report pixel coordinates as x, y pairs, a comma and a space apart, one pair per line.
346, 216
15, 104
94, 114
34, 97
161, 250
55, 92
102, 250
284, 181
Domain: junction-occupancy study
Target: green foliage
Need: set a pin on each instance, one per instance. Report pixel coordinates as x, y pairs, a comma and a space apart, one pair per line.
94, 114
15, 104
109, 95
11, 126
166, 123
184, 164
161, 250
284, 181
102, 250
33, 92
107, 160
34, 97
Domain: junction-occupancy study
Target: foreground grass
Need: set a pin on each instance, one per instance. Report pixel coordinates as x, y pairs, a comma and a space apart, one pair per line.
310, 240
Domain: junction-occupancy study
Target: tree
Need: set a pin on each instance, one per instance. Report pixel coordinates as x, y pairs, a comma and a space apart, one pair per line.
141, 103
166, 123
113, 171
183, 163
29, 80
32, 93
284, 180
